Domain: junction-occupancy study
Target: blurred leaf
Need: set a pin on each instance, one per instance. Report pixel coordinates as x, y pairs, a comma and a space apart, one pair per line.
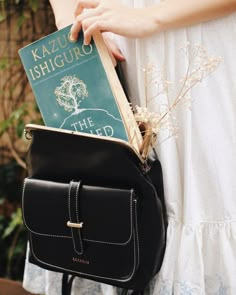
3, 10
20, 127
4, 62
21, 19
2, 17
14, 223
34, 4
20, 247
19, 112
4, 125
14, 117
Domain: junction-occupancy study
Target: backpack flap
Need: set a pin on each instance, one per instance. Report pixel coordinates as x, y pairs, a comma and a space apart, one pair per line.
82, 229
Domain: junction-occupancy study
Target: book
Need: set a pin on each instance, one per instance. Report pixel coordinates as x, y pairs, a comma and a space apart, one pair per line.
76, 86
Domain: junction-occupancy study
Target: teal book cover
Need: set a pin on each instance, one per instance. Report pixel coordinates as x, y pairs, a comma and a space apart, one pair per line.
71, 87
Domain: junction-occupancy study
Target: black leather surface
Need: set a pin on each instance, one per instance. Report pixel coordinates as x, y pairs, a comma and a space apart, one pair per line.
106, 213
106, 238
55, 159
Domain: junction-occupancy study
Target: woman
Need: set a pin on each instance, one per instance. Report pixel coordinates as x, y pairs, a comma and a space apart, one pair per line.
199, 165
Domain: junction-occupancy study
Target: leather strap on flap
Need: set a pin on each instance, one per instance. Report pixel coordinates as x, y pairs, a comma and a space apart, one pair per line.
75, 222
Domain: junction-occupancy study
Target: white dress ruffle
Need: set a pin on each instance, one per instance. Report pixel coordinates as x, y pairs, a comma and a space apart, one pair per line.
199, 259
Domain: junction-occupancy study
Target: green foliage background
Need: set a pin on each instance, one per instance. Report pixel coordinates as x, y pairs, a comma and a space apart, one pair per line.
21, 22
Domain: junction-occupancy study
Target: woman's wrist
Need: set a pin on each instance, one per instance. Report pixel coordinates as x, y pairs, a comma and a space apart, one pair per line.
157, 15
172, 14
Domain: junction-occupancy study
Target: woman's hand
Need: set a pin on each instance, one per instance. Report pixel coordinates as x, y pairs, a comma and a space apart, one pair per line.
111, 16
114, 51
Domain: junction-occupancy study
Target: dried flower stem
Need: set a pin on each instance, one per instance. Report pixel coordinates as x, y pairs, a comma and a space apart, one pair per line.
203, 65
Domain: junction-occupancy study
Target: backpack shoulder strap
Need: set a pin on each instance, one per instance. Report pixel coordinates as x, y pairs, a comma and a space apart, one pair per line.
66, 284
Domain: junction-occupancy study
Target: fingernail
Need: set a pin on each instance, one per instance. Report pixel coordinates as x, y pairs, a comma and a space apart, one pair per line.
72, 38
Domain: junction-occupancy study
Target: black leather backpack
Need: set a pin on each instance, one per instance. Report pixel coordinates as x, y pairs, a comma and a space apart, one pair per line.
93, 208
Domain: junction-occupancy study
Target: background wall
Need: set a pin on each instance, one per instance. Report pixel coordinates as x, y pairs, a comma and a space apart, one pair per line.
21, 22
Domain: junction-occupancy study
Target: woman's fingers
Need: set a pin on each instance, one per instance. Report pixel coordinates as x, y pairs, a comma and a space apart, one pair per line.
89, 26
79, 16
82, 21
93, 15
92, 25
82, 4
75, 29
110, 16
113, 48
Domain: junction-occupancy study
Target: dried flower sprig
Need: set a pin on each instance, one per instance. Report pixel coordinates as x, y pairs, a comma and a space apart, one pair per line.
199, 66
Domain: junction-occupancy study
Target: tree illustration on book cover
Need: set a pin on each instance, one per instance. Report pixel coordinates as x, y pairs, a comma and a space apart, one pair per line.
71, 95
72, 87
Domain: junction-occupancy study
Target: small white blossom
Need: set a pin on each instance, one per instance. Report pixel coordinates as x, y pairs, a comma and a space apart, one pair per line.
200, 65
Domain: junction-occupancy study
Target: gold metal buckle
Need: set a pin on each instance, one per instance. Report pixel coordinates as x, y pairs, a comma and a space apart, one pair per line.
76, 225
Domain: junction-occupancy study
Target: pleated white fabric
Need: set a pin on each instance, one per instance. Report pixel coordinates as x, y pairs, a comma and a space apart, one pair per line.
199, 165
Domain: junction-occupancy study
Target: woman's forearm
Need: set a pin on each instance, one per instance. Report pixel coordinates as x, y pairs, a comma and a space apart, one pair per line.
112, 16
177, 13
63, 12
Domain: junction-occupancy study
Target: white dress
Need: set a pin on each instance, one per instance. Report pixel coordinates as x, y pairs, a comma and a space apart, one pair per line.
199, 165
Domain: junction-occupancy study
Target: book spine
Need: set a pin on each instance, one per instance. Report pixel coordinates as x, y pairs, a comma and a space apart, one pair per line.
131, 126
